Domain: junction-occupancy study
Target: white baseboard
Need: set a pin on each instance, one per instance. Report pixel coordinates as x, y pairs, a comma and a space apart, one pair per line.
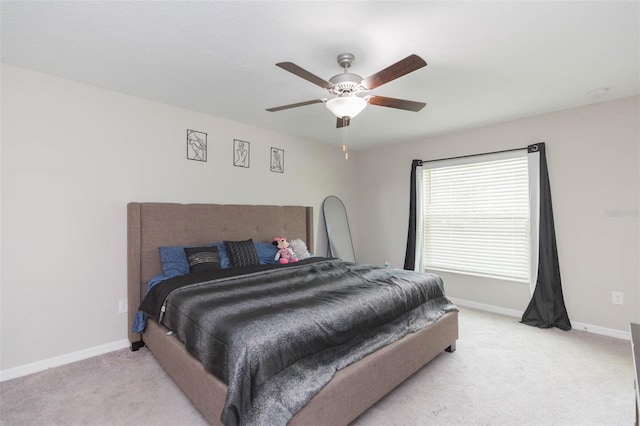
611, 332
35, 367
487, 308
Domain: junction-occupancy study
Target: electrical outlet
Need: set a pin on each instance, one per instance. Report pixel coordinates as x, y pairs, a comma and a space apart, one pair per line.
617, 298
122, 306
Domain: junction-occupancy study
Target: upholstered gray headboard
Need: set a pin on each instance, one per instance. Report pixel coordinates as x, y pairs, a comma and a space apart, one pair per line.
152, 225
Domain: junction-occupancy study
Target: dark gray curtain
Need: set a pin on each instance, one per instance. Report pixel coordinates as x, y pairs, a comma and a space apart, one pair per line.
546, 308
410, 254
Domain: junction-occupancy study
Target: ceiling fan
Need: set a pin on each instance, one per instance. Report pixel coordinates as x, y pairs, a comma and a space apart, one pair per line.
351, 91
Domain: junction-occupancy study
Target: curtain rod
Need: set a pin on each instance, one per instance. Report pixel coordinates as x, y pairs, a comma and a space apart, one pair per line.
472, 155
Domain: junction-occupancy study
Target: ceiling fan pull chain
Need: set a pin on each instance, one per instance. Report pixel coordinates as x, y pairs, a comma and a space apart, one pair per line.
344, 139
344, 143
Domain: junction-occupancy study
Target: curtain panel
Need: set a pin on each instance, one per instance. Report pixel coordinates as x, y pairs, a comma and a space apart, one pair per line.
410, 254
546, 308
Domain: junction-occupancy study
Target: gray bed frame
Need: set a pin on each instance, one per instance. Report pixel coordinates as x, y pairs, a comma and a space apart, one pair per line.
352, 390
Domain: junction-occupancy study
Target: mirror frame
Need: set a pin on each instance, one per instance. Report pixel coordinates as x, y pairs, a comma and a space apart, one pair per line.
342, 226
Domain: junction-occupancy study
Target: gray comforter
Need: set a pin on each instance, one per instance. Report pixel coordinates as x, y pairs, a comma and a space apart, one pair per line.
277, 336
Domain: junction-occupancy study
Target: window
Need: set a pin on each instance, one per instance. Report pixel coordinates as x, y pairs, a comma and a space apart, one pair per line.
475, 218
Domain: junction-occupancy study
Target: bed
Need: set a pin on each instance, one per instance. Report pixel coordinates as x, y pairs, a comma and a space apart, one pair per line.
351, 391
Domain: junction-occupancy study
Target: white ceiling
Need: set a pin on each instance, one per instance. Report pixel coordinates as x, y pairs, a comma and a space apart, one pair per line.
488, 61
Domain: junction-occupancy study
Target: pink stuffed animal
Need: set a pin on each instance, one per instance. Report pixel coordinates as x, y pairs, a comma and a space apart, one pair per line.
285, 254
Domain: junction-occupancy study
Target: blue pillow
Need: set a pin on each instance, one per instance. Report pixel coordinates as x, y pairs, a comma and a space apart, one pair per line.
223, 255
174, 260
266, 253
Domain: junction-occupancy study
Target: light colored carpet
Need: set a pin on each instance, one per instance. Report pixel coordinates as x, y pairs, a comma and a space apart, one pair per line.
503, 373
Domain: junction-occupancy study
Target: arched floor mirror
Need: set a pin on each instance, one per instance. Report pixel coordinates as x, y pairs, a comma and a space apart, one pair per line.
338, 233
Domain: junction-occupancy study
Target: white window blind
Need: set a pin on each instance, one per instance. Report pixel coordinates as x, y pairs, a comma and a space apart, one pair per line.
476, 219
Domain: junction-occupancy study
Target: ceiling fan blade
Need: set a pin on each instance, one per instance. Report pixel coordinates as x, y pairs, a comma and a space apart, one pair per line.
396, 103
302, 73
405, 66
343, 122
299, 104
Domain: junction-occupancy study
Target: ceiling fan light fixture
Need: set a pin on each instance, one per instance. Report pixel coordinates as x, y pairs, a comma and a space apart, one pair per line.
346, 106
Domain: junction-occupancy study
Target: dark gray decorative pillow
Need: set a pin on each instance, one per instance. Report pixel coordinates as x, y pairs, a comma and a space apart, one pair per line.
202, 258
242, 253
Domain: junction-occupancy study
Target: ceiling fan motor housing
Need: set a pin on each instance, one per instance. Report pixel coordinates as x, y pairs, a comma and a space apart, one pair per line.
346, 83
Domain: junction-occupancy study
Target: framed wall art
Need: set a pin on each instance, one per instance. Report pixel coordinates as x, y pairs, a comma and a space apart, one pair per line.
196, 145
277, 160
241, 152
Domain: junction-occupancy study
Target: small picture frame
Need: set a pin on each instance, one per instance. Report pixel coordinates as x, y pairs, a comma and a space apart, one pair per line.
277, 160
196, 145
241, 153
